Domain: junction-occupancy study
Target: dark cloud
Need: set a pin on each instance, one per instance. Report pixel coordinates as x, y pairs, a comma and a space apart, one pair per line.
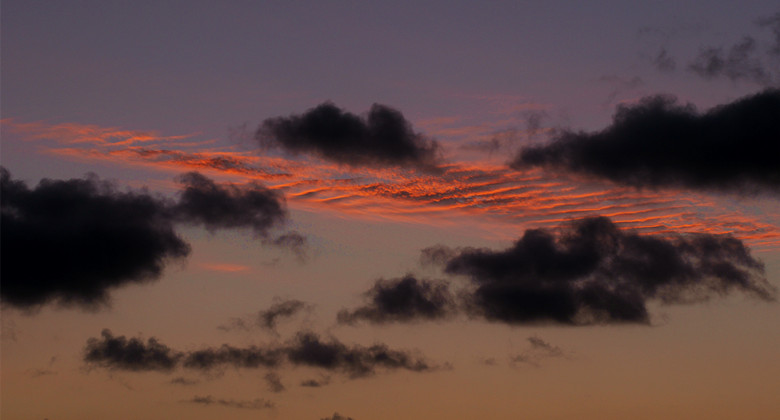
217, 206
383, 137
119, 353
274, 382
252, 357
658, 142
402, 300
72, 241
745, 60
337, 416
294, 242
305, 349
356, 361
591, 272
256, 404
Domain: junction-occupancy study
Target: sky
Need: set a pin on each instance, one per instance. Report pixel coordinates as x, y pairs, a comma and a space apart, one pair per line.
373, 210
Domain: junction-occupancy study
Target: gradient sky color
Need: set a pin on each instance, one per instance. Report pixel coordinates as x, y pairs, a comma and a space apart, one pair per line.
140, 93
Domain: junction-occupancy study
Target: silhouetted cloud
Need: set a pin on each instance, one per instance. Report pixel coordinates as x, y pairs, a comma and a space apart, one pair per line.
72, 241
356, 361
591, 272
305, 349
383, 137
180, 380
337, 416
249, 357
402, 300
119, 353
538, 351
664, 62
316, 383
216, 206
660, 143
294, 242
256, 404
773, 23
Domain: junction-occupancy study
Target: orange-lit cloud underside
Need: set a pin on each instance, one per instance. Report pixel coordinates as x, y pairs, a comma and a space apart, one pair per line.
504, 201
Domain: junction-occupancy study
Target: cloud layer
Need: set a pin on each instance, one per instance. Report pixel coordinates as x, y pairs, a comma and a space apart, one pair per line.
72, 241
305, 349
383, 137
660, 143
591, 272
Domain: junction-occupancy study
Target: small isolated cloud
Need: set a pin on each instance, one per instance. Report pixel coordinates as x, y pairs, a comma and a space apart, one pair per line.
538, 351
591, 272
660, 143
337, 416
402, 300
664, 62
383, 137
747, 60
256, 404
274, 382
119, 353
269, 318
204, 202
316, 383
72, 241
293, 242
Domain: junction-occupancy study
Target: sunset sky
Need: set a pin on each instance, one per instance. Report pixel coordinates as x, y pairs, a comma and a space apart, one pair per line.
378, 210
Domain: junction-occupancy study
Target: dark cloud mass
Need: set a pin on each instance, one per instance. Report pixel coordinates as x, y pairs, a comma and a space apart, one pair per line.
402, 300
280, 309
216, 206
72, 241
337, 416
658, 143
305, 349
591, 272
383, 137
119, 353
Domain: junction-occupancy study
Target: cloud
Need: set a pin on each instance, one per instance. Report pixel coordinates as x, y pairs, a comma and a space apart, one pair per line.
119, 353
538, 351
744, 60
305, 349
402, 300
274, 382
590, 272
180, 380
256, 404
250, 357
664, 62
383, 137
269, 318
337, 416
659, 143
316, 383
356, 361
214, 206
72, 241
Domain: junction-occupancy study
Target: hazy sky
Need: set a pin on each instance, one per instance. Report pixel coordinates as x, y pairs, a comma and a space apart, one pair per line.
365, 210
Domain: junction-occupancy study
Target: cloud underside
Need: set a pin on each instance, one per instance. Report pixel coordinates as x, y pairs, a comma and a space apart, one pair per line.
256, 404
305, 349
382, 138
72, 241
591, 272
660, 143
